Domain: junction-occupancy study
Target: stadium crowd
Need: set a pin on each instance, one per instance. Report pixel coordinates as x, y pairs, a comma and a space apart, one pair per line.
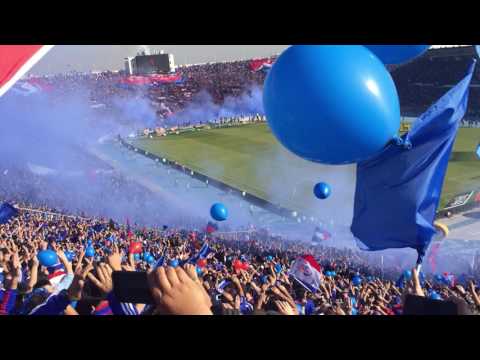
419, 84
195, 273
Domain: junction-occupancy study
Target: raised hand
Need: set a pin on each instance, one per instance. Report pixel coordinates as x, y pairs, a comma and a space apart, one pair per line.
176, 293
192, 272
115, 259
285, 308
104, 281
475, 296
75, 290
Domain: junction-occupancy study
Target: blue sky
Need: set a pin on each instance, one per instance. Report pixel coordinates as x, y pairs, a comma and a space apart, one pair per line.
64, 58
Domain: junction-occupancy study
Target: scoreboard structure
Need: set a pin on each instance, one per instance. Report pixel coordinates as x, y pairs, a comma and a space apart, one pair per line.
146, 64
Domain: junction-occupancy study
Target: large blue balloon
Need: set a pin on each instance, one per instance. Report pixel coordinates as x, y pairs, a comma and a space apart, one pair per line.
331, 104
219, 212
47, 257
397, 54
322, 190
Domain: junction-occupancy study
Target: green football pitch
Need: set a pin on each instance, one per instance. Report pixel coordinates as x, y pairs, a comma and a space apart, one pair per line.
249, 158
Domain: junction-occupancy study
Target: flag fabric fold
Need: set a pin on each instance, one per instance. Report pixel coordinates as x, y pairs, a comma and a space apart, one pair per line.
398, 191
16, 61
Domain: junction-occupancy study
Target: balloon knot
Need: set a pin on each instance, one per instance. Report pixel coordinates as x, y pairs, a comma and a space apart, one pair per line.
398, 140
407, 145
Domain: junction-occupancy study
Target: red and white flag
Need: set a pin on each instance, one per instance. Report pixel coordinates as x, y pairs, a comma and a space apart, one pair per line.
307, 272
16, 61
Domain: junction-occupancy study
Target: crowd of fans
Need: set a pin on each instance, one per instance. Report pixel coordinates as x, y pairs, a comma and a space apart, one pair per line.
425, 80
183, 282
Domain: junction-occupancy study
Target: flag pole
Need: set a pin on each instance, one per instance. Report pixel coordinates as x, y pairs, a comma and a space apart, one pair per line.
382, 266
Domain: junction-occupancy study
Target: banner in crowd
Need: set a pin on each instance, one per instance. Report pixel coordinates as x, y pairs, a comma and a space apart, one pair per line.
261, 65
151, 80
16, 61
306, 271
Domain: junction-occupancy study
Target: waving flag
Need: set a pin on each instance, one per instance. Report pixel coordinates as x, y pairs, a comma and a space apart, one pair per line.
202, 254
16, 61
7, 212
306, 271
211, 228
261, 65
320, 235
398, 191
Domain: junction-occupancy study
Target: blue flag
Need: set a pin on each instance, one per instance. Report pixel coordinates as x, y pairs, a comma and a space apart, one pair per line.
202, 254
398, 191
7, 212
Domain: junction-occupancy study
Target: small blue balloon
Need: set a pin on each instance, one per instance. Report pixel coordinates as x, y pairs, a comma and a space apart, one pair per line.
150, 259
89, 252
199, 271
70, 255
264, 279
407, 274
357, 280
278, 268
322, 191
435, 296
269, 258
397, 54
174, 263
333, 273
331, 104
89, 242
47, 257
136, 257
219, 212
354, 311
438, 278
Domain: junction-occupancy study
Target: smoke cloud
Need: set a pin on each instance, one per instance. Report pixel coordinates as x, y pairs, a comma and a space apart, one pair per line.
44, 141
203, 108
